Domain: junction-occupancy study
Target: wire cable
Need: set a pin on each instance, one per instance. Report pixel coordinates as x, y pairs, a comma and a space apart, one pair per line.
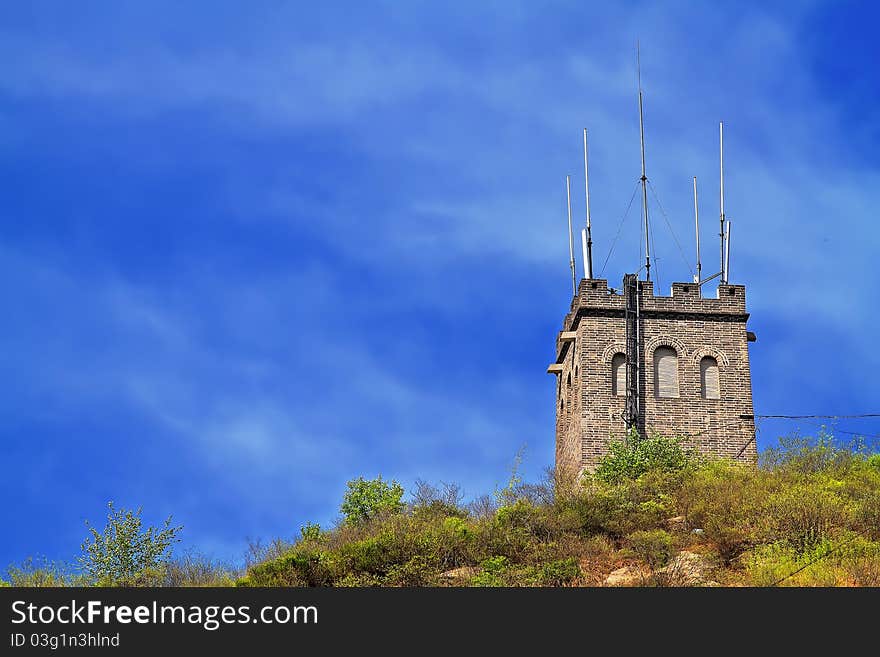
672, 232
619, 228
819, 558
826, 417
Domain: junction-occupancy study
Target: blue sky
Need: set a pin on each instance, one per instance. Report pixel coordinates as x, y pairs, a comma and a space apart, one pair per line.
251, 251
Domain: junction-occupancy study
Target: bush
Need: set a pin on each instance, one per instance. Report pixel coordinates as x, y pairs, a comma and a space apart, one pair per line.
635, 456
559, 572
619, 509
494, 572
125, 554
804, 514
198, 570
40, 573
296, 568
654, 547
728, 503
777, 564
367, 499
456, 542
311, 531
420, 570
811, 455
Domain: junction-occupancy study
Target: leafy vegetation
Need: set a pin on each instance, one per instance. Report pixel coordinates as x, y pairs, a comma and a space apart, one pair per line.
366, 499
125, 553
808, 515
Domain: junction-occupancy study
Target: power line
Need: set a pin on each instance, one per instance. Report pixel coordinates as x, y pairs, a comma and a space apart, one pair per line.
819, 558
836, 430
827, 417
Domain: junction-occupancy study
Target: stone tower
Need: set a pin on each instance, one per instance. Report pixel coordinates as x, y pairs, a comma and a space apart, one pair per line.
689, 363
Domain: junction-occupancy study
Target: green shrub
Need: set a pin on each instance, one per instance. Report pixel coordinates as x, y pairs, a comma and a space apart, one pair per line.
41, 573
633, 457
494, 572
456, 542
311, 531
299, 567
198, 570
365, 499
420, 570
804, 514
126, 554
727, 502
811, 455
654, 547
370, 555
359, 580
559, 572
619, 509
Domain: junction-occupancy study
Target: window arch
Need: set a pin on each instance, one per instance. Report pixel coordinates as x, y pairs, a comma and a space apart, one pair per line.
618, 375
710, 385
665, 372
568, 383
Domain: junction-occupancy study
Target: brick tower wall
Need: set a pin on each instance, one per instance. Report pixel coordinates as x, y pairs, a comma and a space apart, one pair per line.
588, 415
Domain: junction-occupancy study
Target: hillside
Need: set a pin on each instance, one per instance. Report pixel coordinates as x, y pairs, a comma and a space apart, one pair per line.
653, 515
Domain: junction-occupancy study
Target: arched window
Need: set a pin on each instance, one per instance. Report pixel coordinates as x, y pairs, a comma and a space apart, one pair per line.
665, 372
710, 387
618, 375
569, 380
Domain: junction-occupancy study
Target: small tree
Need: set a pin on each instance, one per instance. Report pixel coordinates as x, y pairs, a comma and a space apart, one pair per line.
366, 499
125, 554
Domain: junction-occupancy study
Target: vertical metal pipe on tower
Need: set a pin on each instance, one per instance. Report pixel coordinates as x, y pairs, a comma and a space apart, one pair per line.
698, 276
721, 190
632, 409
587, 235
727, 253
570, 238
644, 177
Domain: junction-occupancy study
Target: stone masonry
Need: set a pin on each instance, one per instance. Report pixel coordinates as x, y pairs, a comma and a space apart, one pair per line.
588, 414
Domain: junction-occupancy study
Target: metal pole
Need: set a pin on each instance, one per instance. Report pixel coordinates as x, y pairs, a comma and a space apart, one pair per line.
586, 255
698, 277
721, 170
727, 253
588, 249
644, 177
570, 239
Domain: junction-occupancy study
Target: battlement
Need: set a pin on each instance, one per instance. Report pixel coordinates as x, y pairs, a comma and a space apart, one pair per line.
595, 295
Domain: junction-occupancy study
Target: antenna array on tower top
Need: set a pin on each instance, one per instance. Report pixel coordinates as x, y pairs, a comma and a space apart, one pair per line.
586, 232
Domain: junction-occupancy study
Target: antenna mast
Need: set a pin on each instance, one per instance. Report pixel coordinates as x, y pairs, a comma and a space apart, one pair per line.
644, 178
570, 239
697, 225
586, 235
721, 171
